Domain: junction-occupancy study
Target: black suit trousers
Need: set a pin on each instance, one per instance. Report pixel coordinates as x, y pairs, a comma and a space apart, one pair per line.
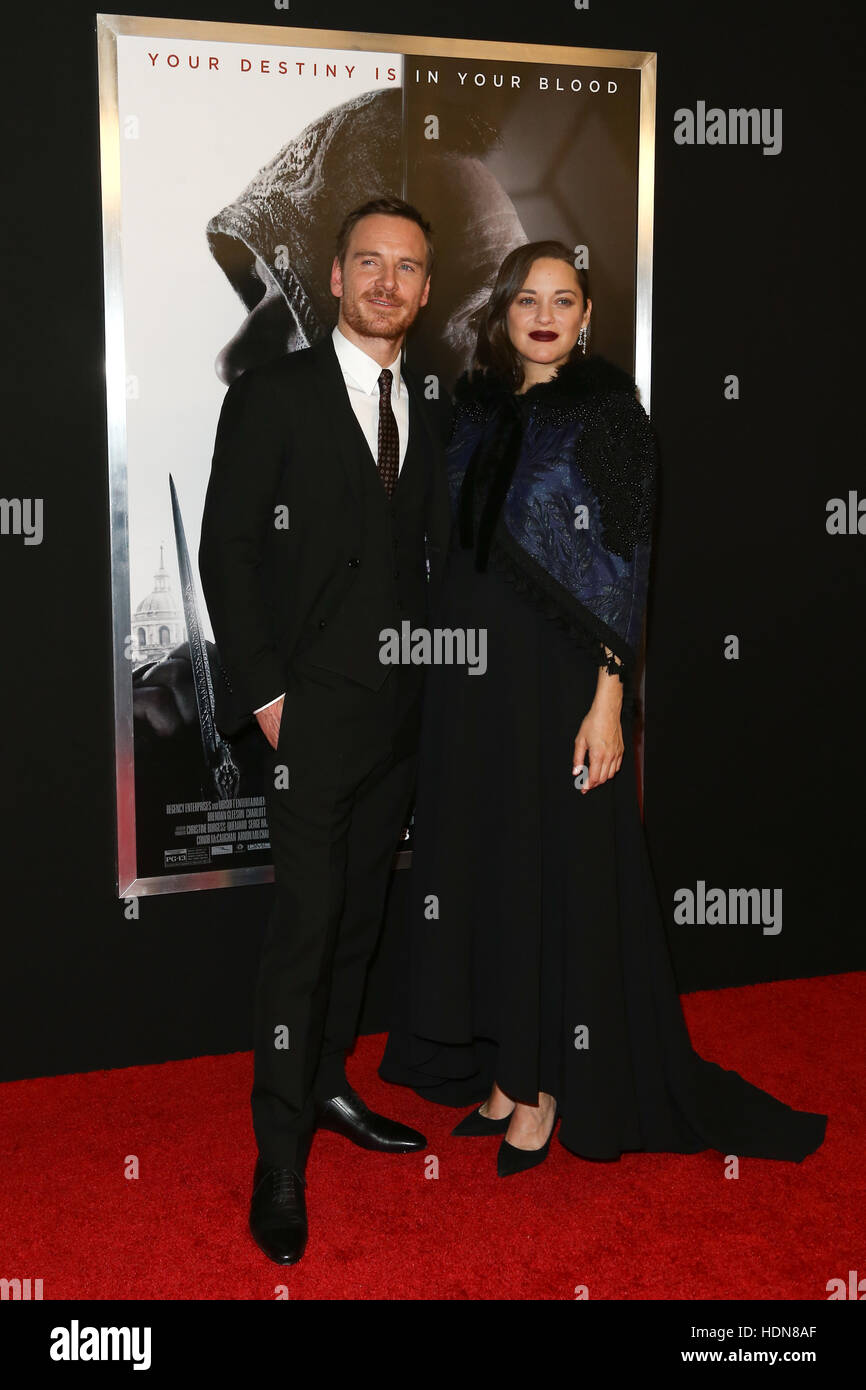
342, 786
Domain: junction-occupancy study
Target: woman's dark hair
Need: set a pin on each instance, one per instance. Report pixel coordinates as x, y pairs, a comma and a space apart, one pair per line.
494, 348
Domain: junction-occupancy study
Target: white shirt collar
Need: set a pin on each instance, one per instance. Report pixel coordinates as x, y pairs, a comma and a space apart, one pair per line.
362, 368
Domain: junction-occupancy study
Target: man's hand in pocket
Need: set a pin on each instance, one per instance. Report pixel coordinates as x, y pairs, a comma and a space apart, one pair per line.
269, 721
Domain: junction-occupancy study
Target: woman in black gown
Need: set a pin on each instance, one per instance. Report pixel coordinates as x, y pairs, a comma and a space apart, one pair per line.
537, 976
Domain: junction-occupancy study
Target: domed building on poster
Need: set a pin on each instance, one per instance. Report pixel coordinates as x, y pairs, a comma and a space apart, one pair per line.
157, 623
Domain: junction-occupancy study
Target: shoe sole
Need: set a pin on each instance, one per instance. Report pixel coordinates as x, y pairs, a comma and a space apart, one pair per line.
279, 1259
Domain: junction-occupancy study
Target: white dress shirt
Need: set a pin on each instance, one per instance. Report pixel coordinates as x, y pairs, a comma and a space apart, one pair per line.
361, 375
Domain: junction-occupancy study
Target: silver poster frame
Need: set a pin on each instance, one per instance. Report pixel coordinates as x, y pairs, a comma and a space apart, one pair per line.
108, 29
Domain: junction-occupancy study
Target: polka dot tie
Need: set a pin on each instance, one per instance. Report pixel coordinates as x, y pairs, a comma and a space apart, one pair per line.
388, 462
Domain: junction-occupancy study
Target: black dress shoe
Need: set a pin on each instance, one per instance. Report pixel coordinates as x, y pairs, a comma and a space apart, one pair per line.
347, 1114
478, 1124
278, 1213
510, 1160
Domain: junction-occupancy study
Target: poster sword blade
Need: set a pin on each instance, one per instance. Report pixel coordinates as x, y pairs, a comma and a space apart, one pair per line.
217, 754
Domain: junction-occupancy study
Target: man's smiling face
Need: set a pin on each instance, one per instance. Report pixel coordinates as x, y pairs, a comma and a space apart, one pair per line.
383, 281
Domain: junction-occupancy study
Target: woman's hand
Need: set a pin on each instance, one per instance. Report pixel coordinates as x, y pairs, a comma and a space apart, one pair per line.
600, 735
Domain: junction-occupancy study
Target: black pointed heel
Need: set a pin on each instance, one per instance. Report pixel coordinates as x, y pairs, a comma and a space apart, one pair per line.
477, 1124
510, 1160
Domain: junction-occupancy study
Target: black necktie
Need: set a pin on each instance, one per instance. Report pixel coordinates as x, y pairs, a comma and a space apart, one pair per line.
388, 462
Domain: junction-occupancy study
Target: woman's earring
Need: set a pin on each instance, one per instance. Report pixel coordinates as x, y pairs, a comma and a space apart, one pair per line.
582, 340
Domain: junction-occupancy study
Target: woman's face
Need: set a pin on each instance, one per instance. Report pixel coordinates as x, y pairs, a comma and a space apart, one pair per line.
546, 316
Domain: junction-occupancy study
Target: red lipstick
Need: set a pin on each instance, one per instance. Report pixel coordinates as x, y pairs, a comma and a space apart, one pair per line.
543, 337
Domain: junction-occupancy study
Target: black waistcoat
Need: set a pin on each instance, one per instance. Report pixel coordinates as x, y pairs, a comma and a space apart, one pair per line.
386, 580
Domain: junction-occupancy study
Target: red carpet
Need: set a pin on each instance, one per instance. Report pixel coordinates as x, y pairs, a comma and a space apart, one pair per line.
650, 1226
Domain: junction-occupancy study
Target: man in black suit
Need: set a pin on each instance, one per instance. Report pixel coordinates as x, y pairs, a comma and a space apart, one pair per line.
326, 521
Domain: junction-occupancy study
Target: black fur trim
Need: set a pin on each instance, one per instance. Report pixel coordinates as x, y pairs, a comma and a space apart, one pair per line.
618, 452
497, 453
507, 454
577, 379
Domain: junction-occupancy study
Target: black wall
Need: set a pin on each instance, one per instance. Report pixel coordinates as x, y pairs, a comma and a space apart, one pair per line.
754, 768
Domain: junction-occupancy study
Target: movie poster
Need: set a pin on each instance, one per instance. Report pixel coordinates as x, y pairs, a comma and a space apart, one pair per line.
230, 154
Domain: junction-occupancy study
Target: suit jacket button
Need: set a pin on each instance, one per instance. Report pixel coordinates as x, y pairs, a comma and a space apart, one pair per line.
354, 563
396, 574
321, 622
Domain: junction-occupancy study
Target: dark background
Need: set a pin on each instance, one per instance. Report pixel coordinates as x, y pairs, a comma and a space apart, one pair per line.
754, 768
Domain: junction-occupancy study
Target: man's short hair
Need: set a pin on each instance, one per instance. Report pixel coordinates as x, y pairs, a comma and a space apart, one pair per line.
384, 207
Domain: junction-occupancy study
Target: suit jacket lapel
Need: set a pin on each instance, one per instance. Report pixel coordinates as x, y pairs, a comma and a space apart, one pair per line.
341, 423
418, 417
338, 418
438, 518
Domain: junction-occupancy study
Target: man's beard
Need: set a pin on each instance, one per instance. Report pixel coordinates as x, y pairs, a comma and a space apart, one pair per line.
369, 322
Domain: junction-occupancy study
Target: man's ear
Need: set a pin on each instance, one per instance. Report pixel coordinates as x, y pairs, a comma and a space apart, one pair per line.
425, 294
337, 279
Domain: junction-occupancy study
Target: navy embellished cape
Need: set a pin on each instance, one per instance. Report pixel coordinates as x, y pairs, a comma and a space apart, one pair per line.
557, 487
